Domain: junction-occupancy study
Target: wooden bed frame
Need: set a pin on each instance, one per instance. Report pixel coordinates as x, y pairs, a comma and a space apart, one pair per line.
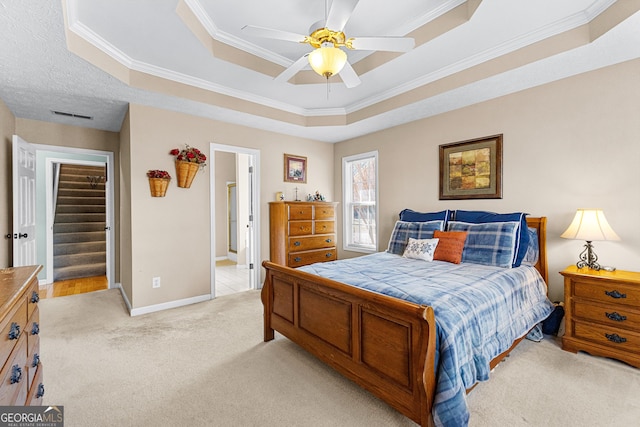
384, 344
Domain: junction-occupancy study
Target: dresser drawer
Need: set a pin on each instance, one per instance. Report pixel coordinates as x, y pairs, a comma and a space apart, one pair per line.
611, 314
324, 227
11, 328
309, 257
13, 377
36, 389
325, 212
618, 339
300, 228
311, 242
609, 292
300, 212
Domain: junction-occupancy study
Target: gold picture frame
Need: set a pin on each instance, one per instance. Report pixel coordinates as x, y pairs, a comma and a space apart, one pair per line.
471, 169
295, 168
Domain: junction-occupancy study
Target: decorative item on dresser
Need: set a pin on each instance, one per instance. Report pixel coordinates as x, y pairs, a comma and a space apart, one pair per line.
21, 375
602, 310
302, 233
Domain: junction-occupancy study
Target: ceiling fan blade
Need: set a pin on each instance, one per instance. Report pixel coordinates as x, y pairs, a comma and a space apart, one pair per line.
340, 13
272, 34
349, 76
390, 44
293, 69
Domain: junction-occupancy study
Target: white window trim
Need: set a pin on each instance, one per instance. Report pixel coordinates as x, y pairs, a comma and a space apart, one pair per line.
346, 215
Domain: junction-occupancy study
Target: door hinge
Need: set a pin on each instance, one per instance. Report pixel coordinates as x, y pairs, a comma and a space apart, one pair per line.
250, 169
251, 266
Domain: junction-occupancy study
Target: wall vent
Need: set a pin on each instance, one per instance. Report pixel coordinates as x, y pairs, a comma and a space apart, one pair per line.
78, 116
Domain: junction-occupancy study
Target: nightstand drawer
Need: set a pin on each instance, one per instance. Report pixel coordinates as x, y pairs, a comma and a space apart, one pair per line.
617, 316
311, 242
619, 339
610, 292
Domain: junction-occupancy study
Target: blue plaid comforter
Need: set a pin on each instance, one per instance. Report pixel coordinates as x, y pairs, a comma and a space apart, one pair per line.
480, 311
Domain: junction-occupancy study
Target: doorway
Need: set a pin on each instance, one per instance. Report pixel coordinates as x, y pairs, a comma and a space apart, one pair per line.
234, 179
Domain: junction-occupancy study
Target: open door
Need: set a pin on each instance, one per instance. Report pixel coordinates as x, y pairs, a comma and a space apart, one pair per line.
24, 202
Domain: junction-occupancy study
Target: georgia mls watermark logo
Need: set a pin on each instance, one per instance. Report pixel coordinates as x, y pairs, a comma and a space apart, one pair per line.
31, 416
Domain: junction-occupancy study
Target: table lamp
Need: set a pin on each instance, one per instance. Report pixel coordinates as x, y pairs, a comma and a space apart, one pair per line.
589, 225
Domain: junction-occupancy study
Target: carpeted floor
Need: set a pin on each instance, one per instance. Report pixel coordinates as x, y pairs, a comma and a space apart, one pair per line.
206, 365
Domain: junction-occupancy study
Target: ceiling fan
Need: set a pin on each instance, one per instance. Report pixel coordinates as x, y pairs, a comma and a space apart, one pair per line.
327, 38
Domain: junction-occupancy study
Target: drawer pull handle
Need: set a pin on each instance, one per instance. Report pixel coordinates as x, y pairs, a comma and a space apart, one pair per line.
16, 374
615, 338
302, 227
615, 294
297, 259
40, 392
36, 360
615, 316
329, 254
35, 329
14, 332
296, 244
328, 240
35, 297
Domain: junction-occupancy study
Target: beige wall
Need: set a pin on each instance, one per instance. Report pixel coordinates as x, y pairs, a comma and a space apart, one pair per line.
7, 130
170, 236
570, 144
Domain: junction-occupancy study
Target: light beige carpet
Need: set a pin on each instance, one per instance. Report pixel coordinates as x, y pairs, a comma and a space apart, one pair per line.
206, 365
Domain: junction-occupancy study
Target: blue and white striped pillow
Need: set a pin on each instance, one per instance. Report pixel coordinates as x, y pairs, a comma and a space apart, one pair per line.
490, 243
417, 230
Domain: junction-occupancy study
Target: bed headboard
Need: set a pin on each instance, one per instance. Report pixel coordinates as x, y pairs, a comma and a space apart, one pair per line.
540, 224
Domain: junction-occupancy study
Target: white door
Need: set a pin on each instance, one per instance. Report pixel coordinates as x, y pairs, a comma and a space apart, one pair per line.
24, 203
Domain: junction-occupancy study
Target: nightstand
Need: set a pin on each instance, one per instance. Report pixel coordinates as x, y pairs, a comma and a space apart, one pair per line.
602, 313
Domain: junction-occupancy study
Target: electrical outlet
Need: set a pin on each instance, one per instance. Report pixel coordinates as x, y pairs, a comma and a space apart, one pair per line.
155, 282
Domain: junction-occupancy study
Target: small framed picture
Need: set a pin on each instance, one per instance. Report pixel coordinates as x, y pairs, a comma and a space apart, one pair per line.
295, 168
471, 169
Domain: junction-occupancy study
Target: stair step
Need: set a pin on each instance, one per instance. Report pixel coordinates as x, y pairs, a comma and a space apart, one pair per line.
70, 200
81, 185
78, 227
80, 217
79, 247
78, 271
80, 192
64, 209
92, 236
79, 259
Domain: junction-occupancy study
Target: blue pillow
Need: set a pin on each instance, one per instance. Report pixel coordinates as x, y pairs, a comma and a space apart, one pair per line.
533, 249
413, 216
522, 242
418, 230
489, 243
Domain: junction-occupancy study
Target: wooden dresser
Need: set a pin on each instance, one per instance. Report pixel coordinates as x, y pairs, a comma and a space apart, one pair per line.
302, 233
602, 313
21, 375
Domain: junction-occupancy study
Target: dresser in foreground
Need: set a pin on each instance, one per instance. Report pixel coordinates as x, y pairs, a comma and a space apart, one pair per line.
602, 311
21, 374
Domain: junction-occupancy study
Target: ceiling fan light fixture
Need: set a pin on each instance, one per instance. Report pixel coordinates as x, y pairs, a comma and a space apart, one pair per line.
327, 61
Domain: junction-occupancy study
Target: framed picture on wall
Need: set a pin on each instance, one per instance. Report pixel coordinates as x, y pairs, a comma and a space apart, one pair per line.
295, 168
471, 169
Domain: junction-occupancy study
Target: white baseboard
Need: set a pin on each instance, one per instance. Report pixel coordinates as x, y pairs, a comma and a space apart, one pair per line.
166, 305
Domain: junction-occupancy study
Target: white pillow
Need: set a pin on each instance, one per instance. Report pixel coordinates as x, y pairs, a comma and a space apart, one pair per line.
420, 249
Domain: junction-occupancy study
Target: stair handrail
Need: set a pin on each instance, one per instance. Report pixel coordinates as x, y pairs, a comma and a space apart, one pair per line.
56, 180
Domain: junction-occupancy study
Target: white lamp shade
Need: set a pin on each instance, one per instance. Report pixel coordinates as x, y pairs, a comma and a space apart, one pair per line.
327, 61
590, 225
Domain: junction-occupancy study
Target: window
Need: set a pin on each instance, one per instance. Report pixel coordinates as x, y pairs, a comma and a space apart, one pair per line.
360, 194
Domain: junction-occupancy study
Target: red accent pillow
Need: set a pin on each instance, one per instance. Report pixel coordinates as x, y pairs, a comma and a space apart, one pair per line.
450, 245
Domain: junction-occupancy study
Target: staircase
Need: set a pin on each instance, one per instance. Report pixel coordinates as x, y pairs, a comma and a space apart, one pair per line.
79, 238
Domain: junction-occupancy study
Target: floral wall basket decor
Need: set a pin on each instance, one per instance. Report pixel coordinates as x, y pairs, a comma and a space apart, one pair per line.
188, 161
158, 182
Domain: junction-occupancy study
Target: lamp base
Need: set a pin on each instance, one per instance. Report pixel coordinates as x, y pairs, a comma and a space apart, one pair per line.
588, 258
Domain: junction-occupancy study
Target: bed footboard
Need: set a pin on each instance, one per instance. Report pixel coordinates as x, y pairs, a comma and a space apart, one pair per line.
384, 344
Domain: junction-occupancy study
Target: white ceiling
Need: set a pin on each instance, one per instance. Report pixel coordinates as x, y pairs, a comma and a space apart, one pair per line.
38, 73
